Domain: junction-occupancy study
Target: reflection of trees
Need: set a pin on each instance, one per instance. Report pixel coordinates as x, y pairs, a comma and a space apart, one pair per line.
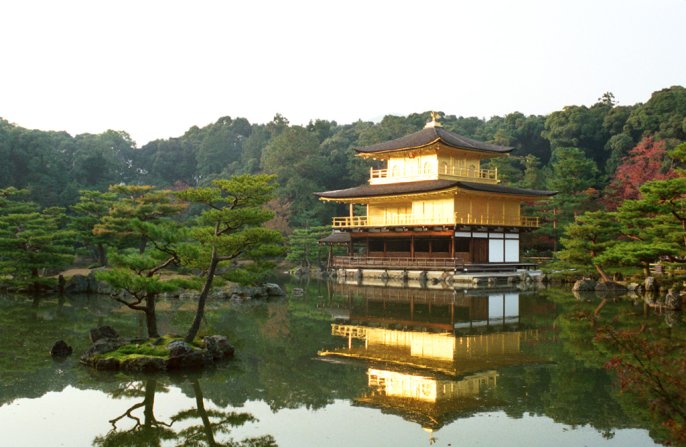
147, 430
645, 351
29, 326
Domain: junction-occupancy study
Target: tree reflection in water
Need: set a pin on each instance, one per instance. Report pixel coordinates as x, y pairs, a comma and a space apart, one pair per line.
149, 431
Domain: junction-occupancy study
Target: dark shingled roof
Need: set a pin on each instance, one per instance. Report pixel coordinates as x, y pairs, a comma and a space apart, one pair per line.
426, 186
387, 190
429, 135
488, 187
336, 238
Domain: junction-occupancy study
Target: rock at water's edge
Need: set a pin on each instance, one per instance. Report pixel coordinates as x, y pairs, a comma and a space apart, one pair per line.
102, 332
274, 289
650, 284
673, 300
218, 346
584, 285
61, 349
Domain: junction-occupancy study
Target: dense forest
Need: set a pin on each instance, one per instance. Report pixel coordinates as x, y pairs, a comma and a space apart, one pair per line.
595, 157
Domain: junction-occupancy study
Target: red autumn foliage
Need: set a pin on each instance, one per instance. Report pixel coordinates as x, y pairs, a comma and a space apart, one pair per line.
643, 163
653, 369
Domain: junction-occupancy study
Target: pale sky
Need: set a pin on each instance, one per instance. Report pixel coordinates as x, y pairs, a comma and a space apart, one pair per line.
154, 68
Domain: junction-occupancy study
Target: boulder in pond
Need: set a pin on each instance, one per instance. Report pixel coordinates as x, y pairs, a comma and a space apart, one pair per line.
80, 284
61, 349
584, 285
143, 364
103, 364
673, 300
274, 289
103, 346
218, 346
634, 287
102, 332
179, 347
185, 356
650, 284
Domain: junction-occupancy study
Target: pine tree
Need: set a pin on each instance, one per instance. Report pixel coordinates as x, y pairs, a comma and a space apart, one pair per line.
587, 238
32, 241
229, 229
143, 216
87, 213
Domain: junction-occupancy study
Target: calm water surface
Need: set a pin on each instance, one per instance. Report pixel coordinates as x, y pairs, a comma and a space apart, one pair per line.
335, 365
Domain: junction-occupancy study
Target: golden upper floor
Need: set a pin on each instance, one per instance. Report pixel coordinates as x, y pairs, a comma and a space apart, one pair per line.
432, 153
434, 202
432, 163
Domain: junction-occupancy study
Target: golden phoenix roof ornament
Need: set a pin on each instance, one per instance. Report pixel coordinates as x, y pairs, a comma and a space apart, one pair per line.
434, 120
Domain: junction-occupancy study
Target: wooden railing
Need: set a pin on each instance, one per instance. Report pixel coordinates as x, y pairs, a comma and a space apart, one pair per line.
485, 174
412, 219
398, 262
523, 221
378, 173
350, 221
459, 263
382, 175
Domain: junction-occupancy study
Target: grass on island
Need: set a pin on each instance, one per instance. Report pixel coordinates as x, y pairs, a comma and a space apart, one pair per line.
153, 347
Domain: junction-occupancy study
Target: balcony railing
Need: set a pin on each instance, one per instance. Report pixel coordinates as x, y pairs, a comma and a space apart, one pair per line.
398, 262
377, 176
411, 219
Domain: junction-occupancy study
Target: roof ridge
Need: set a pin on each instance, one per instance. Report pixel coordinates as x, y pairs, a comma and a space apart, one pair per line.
423, 138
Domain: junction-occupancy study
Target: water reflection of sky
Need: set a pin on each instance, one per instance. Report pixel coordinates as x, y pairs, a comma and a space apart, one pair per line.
407, 367
75, 417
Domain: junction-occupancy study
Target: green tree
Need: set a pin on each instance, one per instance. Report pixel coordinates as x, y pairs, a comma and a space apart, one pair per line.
572, 174
390, 128
229, 229
587, 238
303, 246
138, 277
135, 204
87, 213
662, 116
221, 146
580, 127
103, 159
294, 156
32, 241
144, 216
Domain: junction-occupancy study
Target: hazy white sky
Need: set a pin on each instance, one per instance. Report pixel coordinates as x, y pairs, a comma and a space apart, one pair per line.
154, 68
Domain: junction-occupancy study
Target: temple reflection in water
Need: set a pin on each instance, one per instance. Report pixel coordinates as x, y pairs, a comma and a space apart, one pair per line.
433, 355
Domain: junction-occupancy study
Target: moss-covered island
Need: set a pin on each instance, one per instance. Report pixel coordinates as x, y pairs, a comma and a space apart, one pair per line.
112, 352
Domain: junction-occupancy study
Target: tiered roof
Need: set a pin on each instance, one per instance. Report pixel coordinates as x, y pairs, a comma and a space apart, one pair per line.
427, 186
430, 135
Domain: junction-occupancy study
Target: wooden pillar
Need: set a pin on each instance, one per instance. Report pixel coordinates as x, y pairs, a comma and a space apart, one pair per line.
412, 246
452, 245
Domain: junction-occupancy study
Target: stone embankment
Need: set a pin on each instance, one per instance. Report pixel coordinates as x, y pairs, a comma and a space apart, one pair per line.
89, 284
649, 290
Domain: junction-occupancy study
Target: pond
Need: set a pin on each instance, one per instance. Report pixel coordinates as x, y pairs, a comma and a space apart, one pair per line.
331, 364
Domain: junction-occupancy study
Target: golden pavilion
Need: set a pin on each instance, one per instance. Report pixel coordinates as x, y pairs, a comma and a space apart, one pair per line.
434, 356
433, 206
